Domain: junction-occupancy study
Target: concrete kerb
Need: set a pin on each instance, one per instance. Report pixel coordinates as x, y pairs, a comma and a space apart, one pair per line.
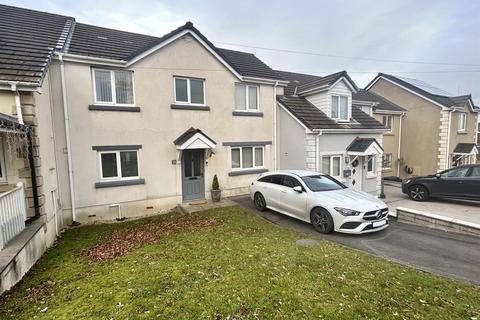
434, 221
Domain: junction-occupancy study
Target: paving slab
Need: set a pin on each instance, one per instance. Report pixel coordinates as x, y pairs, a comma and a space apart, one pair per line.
468, 211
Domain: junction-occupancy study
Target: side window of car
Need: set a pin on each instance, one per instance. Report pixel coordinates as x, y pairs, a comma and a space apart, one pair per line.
277, 179
456, 173
291, 182
265, 179
475, 172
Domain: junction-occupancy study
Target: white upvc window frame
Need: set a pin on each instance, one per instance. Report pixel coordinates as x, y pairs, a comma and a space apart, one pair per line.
331, 156
388, 119
383, 162
462, 115
189, 93
112, 84
339, 113
119, 166
373, 172
247, 105
253, 158
3, 176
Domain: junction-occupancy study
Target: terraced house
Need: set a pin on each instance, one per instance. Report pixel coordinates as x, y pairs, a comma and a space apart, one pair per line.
391, 116
321, 129
120, 124
438, 130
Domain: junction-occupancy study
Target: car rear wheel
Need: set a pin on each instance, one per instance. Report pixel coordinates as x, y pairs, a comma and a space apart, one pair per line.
418, 193
321, 220
259, 202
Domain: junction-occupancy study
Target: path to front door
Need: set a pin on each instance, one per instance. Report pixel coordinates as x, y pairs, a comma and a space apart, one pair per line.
193, 180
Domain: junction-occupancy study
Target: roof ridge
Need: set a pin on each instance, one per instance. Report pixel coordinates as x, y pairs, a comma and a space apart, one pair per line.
37, 11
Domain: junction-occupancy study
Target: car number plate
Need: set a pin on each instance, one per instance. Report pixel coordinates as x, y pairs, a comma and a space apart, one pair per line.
379, 223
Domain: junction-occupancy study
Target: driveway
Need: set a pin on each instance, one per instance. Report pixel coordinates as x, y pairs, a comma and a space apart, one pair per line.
453, 255
459, 209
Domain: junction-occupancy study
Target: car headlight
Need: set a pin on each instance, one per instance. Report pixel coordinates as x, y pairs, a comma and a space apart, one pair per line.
406, 181
347, 212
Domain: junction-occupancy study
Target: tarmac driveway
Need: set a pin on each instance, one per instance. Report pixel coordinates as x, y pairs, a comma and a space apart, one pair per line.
453, 255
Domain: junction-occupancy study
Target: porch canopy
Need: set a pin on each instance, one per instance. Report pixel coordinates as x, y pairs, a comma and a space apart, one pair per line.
194, 139
9, 124
364, 147
465, 149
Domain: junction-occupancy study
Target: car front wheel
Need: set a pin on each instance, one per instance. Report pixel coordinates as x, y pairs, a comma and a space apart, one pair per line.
321, 220
418, 193
259, 202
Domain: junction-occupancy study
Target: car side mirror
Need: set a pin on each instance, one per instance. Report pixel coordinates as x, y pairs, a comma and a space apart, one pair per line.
438, 175
298, 189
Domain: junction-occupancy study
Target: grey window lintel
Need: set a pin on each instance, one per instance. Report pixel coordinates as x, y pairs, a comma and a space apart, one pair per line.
247, 143
245, 172
117, 147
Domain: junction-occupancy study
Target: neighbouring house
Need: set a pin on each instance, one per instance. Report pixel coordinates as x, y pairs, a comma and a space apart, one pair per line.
438, 130
28, 159
120, 125
391, 116
320, 129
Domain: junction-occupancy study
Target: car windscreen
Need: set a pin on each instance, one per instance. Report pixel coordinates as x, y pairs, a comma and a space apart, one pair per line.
318, 183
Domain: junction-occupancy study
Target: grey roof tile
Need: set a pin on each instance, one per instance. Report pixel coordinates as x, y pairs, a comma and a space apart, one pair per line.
380, 102
362, 144
28, 39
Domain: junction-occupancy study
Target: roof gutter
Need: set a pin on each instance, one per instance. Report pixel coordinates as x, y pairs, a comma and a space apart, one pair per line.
326, 131
67, 138
87, 59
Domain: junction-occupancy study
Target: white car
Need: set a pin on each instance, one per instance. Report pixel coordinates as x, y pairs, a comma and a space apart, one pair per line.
320, 200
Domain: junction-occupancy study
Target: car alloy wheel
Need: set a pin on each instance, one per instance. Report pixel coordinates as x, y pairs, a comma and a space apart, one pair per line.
418, 193
321, 220
259, 201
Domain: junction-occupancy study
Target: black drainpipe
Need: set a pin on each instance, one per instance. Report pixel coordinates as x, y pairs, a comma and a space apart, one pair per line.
33, 174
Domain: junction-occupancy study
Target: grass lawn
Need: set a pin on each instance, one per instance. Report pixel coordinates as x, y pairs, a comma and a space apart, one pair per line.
240, 267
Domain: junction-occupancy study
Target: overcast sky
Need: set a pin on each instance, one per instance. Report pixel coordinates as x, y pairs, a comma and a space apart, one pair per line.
442, 32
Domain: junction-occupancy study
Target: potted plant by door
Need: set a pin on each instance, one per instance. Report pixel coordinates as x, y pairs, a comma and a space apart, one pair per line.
216, 192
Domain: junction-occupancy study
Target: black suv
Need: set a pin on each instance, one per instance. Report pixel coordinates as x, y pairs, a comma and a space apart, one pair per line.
462, 182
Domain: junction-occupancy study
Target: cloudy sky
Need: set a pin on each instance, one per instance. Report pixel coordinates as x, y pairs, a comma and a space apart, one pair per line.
439, 39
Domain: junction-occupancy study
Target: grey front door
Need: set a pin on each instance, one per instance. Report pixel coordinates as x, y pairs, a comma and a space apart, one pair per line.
193, 181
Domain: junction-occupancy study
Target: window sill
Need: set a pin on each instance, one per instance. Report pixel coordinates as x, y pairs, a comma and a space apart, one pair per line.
189, 107
118, 183
99, 107
247, 113
247, 171
390, 133
462, 132
370, 176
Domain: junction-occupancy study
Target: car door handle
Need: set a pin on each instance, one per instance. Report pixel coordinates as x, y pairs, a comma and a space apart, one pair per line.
284, 191
460, 182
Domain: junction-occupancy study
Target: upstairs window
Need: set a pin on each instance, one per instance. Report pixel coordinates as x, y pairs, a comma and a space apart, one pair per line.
113, 87
340, 108
387, 122
462, 121
189, 90
246, 97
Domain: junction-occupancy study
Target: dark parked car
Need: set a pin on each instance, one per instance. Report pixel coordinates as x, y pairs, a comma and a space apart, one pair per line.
462, 182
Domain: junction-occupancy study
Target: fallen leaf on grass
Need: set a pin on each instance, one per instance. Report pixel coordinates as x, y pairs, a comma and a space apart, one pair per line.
123, 241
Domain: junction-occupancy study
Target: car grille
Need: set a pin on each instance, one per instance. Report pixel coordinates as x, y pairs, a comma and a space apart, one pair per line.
374, 215
350, 225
